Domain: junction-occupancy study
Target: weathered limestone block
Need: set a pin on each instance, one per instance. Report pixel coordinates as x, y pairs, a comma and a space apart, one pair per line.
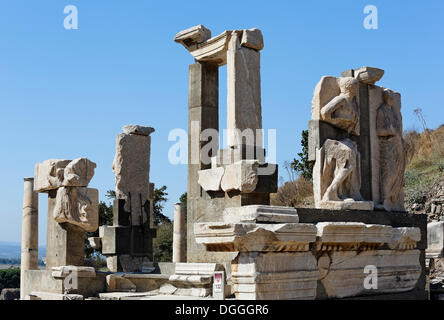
204, 269
78, 206
244, 111
49, 174
193, 279
193, 36
252, 38
337, 177
405, 238
211, 179
260, 214
342, 273
241, 176
435, 240
342, 236
76, 271
131, 167
138, 130
78, 173
246, 237
368, 75
118, 283
275, 276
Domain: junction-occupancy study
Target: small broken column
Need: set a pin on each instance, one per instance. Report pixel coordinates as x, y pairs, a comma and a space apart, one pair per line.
179, 239
30, 229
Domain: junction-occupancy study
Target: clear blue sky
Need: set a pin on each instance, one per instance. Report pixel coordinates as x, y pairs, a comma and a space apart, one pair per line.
67, 93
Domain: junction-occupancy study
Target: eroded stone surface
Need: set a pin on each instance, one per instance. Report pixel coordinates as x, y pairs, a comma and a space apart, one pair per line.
244, 111
405, 238
241, 176
368, 75
49, 174
78, 173
139, 130
211, 179
252, 38
275, 276
245, 237
78, 206
131, 167
343, 272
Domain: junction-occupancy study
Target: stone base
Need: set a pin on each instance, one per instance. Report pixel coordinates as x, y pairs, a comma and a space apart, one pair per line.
346, 205
53, 282
394, 219
275, 276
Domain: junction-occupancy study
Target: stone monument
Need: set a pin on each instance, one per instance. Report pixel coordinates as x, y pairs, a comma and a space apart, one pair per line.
229, 177
355, 139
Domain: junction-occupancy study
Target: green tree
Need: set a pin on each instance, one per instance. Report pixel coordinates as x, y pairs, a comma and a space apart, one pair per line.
160, 197
303, 166
183, 199
9, 278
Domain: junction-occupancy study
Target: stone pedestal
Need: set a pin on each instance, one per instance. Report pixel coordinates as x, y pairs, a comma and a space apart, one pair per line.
65, 243
271, 252
30, 229
128, 248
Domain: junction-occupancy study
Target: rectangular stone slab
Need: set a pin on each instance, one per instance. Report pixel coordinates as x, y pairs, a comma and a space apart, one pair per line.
261, 214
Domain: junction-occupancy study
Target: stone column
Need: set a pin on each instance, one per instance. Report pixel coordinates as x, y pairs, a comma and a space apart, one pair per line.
179, 239
244, 111
30, 228
203, 113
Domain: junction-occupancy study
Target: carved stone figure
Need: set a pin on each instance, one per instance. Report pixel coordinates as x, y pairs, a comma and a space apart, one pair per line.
392, 158
78, 206
336, 177
343, 111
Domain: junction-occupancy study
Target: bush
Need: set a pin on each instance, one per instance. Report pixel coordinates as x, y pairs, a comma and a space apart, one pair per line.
163, 243
298, 193
9, 278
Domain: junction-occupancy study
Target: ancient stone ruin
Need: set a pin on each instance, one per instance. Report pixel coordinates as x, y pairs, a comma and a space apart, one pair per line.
358, 227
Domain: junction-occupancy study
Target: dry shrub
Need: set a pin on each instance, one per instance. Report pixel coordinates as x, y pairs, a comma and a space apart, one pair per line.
424, 148
298, 193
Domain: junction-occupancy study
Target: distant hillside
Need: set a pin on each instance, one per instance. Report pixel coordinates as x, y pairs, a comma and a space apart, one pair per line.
12, 250
424, 176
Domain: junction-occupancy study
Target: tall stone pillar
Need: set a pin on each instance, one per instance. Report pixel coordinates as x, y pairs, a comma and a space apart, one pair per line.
203, 113
30, 228
179, 239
